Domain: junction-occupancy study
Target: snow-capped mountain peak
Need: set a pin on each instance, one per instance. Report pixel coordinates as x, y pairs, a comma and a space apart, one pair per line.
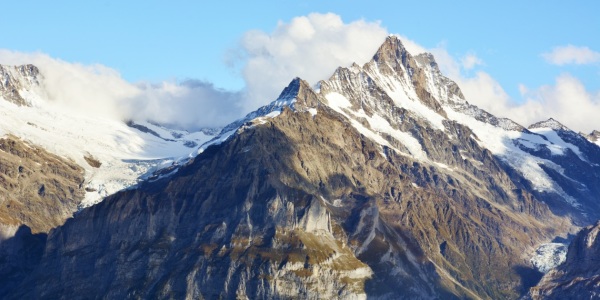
551, 123
593, 137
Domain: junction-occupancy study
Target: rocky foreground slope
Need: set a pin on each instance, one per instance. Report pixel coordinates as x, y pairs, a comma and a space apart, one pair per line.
383, 182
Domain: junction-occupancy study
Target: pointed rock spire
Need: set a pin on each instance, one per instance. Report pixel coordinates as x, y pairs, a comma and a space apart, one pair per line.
301, 91
392, 51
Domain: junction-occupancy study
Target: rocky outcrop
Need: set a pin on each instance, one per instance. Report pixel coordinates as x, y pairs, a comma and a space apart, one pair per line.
579, 276
14, 80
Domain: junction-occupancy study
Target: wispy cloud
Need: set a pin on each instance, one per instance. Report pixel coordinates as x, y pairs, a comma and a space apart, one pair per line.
470, 61
570, 54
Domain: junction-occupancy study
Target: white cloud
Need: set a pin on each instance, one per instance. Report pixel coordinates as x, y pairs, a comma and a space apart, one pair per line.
572, 55
567, 101
99, 90
470, 61
310, 47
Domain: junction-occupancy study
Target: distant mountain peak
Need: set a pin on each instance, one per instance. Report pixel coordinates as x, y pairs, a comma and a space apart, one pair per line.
550, 123
594, 136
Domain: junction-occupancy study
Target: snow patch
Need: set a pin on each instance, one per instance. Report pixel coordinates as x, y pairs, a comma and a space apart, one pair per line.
548, 256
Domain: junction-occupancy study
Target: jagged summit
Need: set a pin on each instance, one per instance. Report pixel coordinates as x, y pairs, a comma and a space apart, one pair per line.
15, 81
392, 50
550, 123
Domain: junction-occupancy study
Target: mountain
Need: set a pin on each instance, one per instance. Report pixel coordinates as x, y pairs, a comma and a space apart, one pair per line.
578, 277
16, 83
380, 182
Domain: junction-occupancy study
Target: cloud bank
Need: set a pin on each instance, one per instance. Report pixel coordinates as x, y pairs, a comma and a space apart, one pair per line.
99, 90
570, 54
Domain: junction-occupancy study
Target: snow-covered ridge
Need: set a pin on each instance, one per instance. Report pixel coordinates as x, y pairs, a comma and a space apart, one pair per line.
549, 124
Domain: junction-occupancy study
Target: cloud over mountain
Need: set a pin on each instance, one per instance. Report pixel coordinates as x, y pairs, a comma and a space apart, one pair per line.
100, 90
310, 47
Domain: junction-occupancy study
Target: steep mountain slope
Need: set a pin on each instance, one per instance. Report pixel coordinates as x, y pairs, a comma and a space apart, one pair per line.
579, 276
37, 189
383, 183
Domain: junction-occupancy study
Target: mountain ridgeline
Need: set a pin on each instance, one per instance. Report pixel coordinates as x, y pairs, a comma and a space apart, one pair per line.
381, 182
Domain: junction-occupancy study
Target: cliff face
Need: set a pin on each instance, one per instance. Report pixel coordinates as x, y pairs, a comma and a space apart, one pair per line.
38, 191
579, 276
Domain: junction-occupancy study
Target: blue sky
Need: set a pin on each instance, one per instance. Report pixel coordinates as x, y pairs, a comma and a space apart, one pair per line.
178, 40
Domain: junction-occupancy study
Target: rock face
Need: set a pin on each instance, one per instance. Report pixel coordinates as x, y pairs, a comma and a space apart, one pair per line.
38, 191
384, 183
579, 276
15, 80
